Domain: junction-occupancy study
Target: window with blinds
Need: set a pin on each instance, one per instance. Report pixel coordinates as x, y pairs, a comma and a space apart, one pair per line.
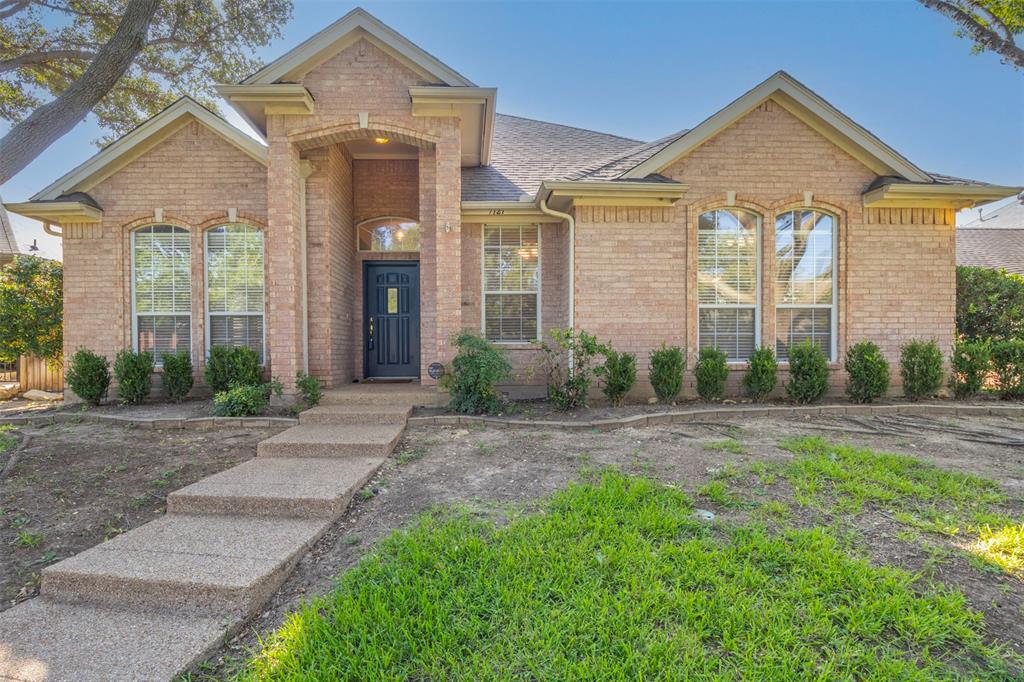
727, 281
805, 286
162, 289
234, 287
511, 282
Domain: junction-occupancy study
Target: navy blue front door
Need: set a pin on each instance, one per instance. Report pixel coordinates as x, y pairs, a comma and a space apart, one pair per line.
391, 319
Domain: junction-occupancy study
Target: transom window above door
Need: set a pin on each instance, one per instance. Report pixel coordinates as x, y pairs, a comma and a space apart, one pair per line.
389, 234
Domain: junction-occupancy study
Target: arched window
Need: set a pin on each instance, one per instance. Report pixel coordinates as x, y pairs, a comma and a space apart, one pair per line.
234, 287
805, 280
389, 234
728, 273
161, 290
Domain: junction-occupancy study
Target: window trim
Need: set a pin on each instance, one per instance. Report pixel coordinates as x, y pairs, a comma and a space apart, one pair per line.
834, 317
206, 290
758, 258
483, 282
158, 362
395, 218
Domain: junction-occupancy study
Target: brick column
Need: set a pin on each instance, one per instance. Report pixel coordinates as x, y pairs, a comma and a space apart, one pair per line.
448, 264
285, 352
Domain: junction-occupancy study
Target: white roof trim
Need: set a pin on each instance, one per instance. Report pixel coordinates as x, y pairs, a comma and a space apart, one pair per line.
120, 153
328, 42
793, 92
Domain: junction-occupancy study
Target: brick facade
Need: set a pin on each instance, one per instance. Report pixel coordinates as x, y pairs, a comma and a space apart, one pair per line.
635, 268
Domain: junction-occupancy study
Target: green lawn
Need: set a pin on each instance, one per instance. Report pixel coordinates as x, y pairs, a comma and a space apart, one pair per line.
615, 579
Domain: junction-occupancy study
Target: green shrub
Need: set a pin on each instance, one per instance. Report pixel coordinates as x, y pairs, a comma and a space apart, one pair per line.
989, 304
242, 400
232, 365
868, 372
762, 373
667, 366
617, 374
177, 375
711, 371
921, 369
477, 369
569, 383
88, 375
309, 389
969, 362
808, 372
1008, 365
134, 374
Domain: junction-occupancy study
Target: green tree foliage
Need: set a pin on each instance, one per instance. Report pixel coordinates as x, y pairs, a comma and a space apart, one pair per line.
969, 364
1008, 365
994, 25
32, 309
989, 304
124, 60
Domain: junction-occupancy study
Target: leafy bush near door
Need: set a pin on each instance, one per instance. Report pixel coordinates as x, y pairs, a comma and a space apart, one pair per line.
241, 401
88, 375
666, 374
134, 374
477, 369
969, 362
309, 389
617, 374
808, 372
568, 384
921, 369
712, 372
762, 373
228, 366
867, 371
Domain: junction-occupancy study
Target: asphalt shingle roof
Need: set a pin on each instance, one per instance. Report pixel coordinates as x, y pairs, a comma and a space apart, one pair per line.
994, 240
525, 152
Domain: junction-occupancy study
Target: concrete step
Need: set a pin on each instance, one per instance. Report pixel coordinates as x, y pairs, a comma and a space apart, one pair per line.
284, 487
356, 414
211, 564
411, 395
325, 440
42, 639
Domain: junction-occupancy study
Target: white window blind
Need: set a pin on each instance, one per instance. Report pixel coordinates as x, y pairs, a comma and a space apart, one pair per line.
727, 281
805, 286
162, 289
511, 282
235, 287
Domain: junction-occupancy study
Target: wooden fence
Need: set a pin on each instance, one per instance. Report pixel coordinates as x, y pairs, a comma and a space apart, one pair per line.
33, 373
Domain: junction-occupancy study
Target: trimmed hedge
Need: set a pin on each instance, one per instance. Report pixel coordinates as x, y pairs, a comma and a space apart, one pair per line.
808, 372
867, 371
762, 373
667, 365
921, 368
88, 375
989, 304
711, 371
134, 374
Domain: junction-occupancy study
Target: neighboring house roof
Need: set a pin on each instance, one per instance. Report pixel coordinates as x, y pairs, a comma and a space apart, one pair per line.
995, 239
8, 245
525, 152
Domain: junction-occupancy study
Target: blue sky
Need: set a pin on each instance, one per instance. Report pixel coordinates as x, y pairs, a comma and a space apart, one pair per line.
894, 67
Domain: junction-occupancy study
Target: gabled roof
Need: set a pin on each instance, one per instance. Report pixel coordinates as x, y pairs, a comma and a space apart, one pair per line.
129, 147
806, 105
307, 55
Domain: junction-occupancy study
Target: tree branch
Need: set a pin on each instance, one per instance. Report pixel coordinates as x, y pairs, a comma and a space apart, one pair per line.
8, 8
28, 139
985, 37
37, 58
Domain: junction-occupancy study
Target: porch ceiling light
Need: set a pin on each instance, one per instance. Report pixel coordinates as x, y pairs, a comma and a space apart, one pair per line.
381, 140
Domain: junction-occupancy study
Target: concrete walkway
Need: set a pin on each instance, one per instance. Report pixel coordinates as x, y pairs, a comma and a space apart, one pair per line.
148, 604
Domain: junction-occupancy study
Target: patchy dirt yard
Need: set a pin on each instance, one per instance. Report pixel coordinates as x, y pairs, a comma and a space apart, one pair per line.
499, 473
75, 485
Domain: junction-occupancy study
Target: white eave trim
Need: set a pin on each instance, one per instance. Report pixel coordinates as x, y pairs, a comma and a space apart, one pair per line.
57, 212
935, 195
118, 154
792, 92
328, 42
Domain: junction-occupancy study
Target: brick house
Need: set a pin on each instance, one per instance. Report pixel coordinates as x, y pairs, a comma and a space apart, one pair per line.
388, 206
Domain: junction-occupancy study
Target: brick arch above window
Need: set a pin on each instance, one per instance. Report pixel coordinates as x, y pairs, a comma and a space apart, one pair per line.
241, 219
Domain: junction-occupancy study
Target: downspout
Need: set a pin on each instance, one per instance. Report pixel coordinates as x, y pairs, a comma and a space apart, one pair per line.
543, 204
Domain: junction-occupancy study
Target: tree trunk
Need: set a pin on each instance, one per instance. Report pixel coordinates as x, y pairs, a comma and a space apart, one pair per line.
47, 124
